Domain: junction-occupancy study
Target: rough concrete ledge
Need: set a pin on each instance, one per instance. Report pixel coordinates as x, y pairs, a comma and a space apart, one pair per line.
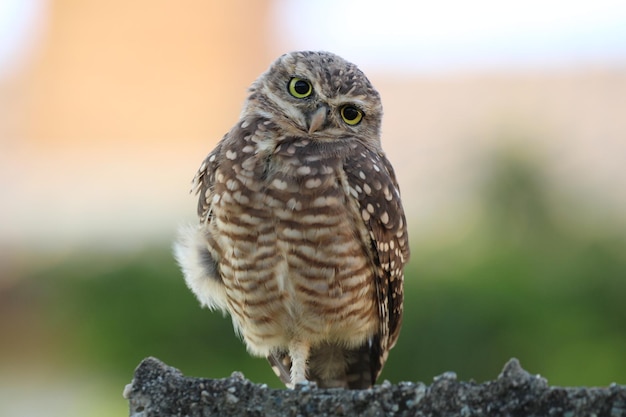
160, 390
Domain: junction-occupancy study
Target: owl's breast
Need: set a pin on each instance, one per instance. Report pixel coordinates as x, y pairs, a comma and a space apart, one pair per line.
289, 248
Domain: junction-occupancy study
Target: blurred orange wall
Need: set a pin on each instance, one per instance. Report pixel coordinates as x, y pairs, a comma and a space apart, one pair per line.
142, 71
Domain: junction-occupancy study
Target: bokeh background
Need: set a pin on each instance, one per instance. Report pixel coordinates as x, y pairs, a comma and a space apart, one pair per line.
506, 124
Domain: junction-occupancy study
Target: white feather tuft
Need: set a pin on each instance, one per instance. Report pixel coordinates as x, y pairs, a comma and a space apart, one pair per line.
207, 285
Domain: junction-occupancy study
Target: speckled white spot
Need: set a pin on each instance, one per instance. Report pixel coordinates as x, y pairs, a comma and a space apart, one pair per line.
325, 169
248, 164
387, 194
232, 155
303, 170
325, 201
227, 197
313, 183
279, 184
241, 198
294, 204
232, 185
292, 234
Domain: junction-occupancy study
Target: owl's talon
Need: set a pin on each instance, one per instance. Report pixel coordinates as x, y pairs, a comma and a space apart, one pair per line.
305, 385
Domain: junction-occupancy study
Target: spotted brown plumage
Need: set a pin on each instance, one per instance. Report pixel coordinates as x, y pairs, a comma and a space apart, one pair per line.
302, 236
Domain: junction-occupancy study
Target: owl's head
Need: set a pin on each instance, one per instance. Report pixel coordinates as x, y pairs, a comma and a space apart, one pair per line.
319, 95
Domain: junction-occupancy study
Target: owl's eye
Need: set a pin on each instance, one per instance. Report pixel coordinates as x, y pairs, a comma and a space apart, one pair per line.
300, 88
351, 115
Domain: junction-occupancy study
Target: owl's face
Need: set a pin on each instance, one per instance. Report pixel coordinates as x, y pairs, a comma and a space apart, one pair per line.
317, 95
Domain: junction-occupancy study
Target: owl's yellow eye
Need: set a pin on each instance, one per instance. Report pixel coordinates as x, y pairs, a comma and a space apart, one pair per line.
300, 88
351, 115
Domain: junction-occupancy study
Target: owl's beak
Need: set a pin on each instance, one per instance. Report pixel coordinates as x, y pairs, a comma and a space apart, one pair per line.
317, 119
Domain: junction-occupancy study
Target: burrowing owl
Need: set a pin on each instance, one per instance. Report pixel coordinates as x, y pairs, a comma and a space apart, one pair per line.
302, 236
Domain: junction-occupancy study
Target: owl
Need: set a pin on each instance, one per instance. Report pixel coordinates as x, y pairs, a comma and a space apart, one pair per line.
302, 237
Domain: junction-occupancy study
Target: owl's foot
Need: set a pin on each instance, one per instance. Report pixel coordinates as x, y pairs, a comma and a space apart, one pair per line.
299, 353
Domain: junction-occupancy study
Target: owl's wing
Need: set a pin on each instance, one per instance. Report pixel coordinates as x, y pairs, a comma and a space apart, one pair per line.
193, 246
373, 185
203, 181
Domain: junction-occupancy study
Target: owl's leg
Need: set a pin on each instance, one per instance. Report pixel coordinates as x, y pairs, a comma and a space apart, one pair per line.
299, 352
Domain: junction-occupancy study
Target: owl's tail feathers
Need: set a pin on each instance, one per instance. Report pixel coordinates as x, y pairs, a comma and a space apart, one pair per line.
334, 366
360, 373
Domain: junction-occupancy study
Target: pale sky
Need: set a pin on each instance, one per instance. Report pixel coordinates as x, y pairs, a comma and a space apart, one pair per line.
450, 35
21, 24
396, 35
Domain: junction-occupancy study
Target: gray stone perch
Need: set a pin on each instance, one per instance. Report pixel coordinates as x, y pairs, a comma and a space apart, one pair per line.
160, 390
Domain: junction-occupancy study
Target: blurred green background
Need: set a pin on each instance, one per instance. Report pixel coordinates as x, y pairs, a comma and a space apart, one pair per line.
530, 279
